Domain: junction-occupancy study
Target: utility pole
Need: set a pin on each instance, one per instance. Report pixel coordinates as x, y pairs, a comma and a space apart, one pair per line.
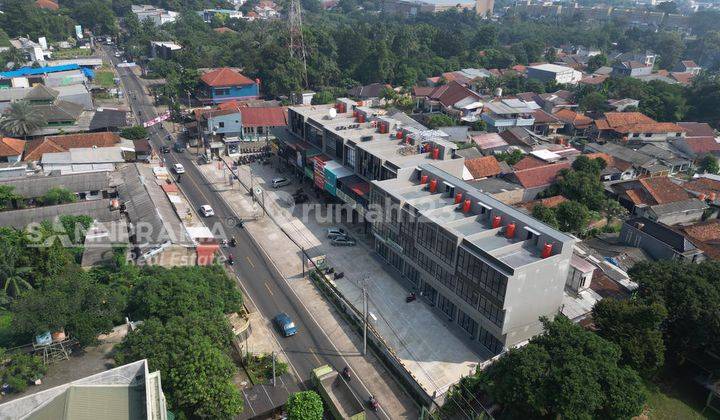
297, 42
365, 318
302, 259
273, 361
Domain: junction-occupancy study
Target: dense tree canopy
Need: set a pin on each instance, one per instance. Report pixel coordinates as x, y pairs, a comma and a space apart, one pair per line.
304, 405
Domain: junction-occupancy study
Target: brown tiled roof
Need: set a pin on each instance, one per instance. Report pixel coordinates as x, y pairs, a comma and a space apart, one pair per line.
542, 117
619, 119
483, 167
225, 76
682, 78
551, 202
452, 93
689, 63
697, 129
527, 163
11, 147
541, 175
702, 145
50, 144
657, 127
593, 79
705, 236
571, 117
264, 117
47, 4
702, 185
637, 197
223, 30
663, 190
422, 91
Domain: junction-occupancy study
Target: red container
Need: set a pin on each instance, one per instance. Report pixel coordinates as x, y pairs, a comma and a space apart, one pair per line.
433, 185
466, 206
399, 135
510, 231
458, 198
497, 222
424, 179
436, 153
547, 250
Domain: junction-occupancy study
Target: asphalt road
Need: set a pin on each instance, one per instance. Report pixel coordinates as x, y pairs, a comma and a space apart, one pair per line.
271, 294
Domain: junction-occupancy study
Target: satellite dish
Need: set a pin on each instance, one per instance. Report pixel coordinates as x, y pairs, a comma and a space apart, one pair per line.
332, 113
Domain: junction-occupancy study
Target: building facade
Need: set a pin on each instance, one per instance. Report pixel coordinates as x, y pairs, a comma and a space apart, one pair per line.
490, 269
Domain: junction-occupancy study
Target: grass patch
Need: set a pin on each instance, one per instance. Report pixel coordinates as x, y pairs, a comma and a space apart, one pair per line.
259, 368
679, 399
72, 53
105, 78
7, 337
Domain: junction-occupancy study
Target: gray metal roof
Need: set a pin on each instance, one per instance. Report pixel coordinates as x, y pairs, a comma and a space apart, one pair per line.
36, 186
678, 207
97, 209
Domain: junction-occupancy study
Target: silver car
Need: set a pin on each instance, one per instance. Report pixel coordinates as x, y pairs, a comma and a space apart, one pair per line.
335, 232
343, 241
280, 182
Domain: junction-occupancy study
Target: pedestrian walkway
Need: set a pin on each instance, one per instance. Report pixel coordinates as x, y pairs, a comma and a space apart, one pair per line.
437, 359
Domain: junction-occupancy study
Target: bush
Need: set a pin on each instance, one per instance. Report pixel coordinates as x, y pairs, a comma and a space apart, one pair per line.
21, 370
135, 132
57, 195
305, 405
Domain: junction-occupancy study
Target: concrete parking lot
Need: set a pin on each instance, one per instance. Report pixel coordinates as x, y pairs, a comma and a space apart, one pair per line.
435, 355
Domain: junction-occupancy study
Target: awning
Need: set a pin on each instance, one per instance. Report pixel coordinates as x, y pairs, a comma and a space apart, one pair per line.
356, 185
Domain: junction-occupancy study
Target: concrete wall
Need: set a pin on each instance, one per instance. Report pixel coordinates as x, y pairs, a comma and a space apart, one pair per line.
223, 94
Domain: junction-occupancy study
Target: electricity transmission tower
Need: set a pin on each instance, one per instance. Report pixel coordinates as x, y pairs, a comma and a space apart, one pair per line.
297, 43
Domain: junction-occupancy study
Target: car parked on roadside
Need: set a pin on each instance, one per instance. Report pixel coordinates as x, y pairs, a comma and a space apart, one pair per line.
280, 182
285, 324
343, 241
335, 232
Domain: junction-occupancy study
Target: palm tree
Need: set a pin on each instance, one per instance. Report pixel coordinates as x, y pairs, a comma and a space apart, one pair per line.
13, 281
21, 119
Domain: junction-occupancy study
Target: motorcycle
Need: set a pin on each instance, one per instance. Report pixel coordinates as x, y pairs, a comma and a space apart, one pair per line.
240, 224
339, 275
233, 242
411, 297
230, 260
346, 373
374, 405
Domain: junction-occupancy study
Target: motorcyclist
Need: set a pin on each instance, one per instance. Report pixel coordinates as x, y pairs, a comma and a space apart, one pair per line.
233, 242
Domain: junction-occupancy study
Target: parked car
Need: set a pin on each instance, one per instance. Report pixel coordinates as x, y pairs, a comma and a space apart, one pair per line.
335, 232
285, 324
179, 168
280, 182
179, 147
207, 211
165, 149
343, 241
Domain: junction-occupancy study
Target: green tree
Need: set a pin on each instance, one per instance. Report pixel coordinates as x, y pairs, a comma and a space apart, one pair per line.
566, 372
572, 216
595, 101
709, 164
323, 97
635, 328
593, 166
8, 196
20, 370
597, 61
135, 132
546, 215
304, 405
21, 119
581, 186
57, 195
440, 120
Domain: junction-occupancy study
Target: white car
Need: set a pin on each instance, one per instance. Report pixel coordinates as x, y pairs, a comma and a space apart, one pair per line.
179, 169
207, 211
280, 182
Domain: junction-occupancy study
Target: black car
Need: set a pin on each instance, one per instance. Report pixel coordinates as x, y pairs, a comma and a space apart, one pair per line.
165, 149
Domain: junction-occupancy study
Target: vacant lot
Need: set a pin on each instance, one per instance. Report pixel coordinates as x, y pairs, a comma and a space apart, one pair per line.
105, 78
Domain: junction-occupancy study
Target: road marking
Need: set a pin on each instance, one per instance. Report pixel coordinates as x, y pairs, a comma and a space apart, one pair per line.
250, 261
268, 289
315, 355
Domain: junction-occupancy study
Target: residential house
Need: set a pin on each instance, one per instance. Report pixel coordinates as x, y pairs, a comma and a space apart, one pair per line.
125, 392
659, 199
705, 236
164, 50
574, 122
52, 144
490, 143
546, 124
519, 137
499, 188
503, 114
653, 162
554, 72
699, 140
106, 119
615, 169
536, 179
47, 4
371, 93
208, 14
631, 69
594, 80
636, 127
666, 157
156, 15
11, 150
704, 188
659, 241
482, 167
620, 105
82, 160
554, 101
225, 84
688, 66
258, 122
453, 99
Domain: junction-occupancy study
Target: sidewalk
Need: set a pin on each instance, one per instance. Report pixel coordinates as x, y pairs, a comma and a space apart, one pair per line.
436, 360
287, 258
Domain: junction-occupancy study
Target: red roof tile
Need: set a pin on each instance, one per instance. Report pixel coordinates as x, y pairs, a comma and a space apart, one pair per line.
702, 185
422, 91
452, 93
263, 117
682, 78
571, 117
663, 190
542, 117
619, 119
11, 147
697, 129
657, 128
551, 202
225, 77
702, 145
483, 167
527, 163
63, 143
541, 175
47, 4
